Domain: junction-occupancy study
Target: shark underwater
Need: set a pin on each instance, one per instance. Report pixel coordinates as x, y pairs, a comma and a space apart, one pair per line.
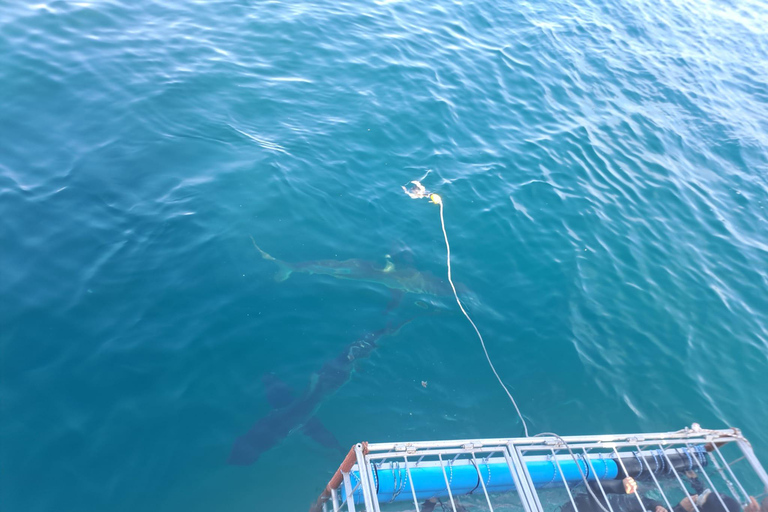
291, 413
399, 280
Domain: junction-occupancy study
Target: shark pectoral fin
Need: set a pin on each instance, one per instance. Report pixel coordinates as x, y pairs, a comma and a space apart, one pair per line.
395, 297
316, 431
283, 271
278, 393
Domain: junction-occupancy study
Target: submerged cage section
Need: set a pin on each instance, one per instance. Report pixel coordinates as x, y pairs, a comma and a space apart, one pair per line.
547, 473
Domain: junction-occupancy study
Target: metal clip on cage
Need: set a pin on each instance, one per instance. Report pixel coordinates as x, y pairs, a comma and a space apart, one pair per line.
538, 474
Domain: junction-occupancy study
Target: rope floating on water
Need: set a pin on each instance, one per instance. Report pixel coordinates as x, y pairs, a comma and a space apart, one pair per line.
418, 191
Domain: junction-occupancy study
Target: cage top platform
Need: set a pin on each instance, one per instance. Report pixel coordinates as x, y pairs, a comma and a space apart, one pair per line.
545, 472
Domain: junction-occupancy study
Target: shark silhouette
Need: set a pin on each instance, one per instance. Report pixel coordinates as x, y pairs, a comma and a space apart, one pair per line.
290, 413
402, 280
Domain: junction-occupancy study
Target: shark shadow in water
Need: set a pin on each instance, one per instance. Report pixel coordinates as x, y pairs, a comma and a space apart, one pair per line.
291, 413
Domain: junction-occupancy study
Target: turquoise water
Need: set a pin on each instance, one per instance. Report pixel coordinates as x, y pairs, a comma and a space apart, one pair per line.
604, 167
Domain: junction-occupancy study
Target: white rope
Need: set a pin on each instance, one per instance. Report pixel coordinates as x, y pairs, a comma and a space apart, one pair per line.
480, 336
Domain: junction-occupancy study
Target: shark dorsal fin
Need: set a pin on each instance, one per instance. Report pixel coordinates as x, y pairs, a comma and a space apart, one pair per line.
278, 393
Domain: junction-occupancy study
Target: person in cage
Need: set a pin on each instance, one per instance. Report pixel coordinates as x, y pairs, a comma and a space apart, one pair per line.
621, 497
430, 504
753, 506
703, 496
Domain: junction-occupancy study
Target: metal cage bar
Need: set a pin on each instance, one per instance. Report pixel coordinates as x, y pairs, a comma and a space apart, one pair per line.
727, 481
709, 480
410, 481
588, 460
350, 492
522, 480
482, 483
447, 484
527, 476
728, 468
516, 478
746, 449
335, 500
365, 479
637, 494
679, 480
565, 482
655, 480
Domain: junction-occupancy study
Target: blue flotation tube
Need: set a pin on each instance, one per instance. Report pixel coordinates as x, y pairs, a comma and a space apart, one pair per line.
392, 482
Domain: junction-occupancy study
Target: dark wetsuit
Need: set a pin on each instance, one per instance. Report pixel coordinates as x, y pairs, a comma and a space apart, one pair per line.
618, 498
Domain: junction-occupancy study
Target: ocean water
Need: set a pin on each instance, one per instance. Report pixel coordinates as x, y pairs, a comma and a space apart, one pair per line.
604, 167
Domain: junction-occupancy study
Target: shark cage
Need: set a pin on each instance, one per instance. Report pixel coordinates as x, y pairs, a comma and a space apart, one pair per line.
549, 473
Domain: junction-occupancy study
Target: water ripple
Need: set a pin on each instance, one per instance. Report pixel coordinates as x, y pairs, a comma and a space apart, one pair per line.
605, 172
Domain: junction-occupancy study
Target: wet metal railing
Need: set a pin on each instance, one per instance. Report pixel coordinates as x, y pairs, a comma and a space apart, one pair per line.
544, 473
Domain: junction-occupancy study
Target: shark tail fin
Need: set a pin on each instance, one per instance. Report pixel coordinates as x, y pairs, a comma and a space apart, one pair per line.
284, 270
